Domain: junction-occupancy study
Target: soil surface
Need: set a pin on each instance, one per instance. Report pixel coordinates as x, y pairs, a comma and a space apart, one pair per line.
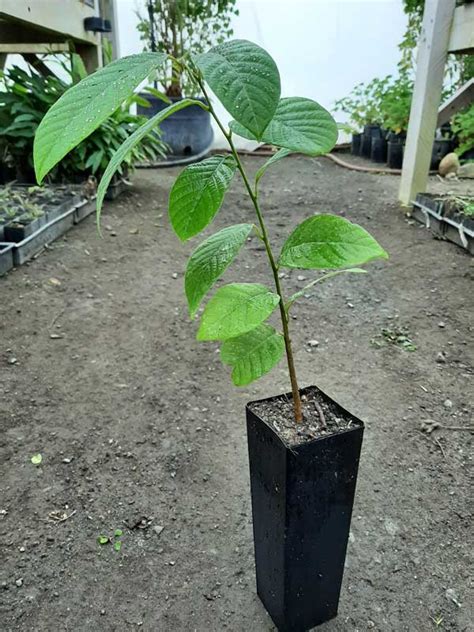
140, 429
321, 416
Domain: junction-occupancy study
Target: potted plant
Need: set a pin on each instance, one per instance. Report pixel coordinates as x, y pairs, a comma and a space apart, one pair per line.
303, 446
24, 100
395, 112
363, 107
175, 27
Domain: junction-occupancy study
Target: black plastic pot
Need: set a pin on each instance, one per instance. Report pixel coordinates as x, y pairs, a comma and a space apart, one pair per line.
441, 148
378, 151
355, 144
395, 149
7, 174
187, 132
302, 499
20, 230
467, 155
370, 132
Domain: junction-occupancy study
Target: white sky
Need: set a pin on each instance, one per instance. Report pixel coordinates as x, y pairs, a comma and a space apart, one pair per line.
322, 47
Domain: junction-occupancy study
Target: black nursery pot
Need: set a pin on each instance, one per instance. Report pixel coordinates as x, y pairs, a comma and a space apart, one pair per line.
441, 148
355, 144
302, 499
378, 152
395, 149
370, 132
187, 132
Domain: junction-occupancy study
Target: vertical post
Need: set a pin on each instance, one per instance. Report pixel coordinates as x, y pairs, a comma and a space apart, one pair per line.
3, 60
431, 60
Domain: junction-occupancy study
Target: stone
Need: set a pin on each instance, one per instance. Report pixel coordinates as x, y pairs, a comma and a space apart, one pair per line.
449, 164
466, 170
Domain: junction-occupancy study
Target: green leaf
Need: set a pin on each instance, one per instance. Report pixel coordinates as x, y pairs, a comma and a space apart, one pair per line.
281, 153
117, 545
198, 193
235, 309
307, 287
127, 146
36, 459
245, 79
86, 105
253, 354
302, 125
240, 130
118, 533
329, 241
210, 260
103, 539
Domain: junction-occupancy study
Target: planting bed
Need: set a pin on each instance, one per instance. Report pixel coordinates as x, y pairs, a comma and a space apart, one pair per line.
31, 217
140, 428
447, 216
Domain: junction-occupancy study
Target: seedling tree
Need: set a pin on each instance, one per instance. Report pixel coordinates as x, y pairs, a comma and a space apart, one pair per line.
246, 81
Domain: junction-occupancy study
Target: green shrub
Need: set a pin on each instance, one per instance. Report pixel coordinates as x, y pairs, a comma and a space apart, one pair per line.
24, 100
463, 126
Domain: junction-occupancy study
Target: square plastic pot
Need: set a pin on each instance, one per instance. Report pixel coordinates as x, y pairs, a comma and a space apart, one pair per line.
302, 497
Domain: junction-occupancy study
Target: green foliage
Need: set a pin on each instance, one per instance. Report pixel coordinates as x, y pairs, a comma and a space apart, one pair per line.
363, 104
253, 354
129, 145
82, 108
245, 78
210, 260
329, 242
395, 104
235, 309
198, 193
463, 126
175, 27
281, 153
24, 100
299, 125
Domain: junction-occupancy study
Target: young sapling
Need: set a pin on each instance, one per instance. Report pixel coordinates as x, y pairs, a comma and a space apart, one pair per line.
246, 80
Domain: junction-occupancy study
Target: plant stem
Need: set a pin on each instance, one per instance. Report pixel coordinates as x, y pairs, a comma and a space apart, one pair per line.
283, 312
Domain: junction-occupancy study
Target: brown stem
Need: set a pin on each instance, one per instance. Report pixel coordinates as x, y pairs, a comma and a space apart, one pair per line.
283, 313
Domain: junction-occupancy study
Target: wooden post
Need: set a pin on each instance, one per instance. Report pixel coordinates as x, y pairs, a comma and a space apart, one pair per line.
431, 60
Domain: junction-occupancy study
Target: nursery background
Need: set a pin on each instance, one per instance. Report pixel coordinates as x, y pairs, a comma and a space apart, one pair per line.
126, 500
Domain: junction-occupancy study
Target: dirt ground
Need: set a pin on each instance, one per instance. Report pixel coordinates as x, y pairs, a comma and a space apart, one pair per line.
140, 428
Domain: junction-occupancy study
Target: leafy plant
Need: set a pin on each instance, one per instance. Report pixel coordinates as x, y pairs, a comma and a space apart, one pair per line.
462, 125
24, 100
363, 104
246, 80
174, 27
395, 104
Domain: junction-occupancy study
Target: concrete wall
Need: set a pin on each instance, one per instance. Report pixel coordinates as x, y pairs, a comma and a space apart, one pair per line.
322, 47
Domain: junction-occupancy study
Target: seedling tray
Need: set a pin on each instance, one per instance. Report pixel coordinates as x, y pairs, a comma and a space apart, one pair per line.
26, 249
83, 210
6, 257
444, 222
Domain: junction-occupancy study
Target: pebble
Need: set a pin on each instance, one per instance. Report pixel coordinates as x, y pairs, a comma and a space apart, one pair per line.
19, 582
300, 277
313, 343
440, 357
448, 403
175, 275
441, 324
452, 596
157, 529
